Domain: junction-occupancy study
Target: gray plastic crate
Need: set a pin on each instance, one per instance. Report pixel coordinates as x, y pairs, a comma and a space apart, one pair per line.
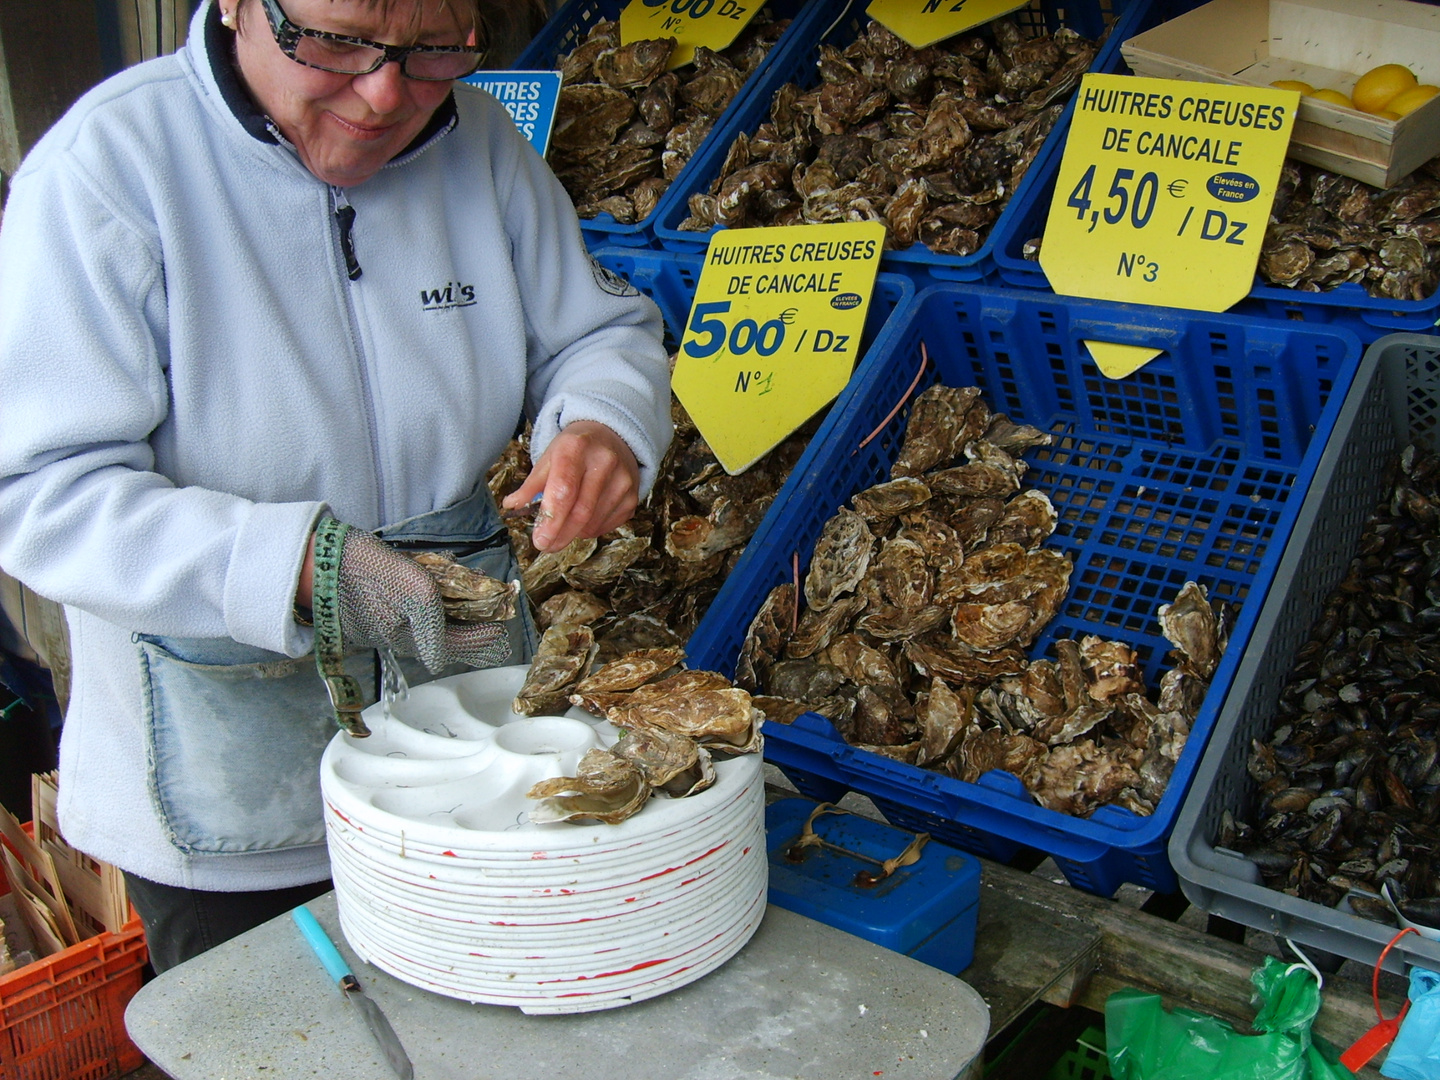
1395, 399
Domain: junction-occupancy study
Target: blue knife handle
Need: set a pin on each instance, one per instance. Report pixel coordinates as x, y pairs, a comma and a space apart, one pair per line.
321, 943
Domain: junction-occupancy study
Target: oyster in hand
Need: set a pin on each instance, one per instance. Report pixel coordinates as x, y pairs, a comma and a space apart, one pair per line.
607, 789
469, 595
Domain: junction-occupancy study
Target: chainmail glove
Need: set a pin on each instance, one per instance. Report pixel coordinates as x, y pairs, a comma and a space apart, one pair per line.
386, 599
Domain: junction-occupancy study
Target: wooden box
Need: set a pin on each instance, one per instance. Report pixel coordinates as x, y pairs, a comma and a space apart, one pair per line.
1326, 43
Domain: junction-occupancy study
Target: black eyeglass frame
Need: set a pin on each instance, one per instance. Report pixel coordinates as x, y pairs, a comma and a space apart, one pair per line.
288, 36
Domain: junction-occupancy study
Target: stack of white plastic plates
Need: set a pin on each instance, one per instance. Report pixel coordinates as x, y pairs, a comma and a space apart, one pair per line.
444, 882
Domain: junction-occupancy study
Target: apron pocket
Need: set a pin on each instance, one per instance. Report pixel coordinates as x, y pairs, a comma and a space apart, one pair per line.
234, 738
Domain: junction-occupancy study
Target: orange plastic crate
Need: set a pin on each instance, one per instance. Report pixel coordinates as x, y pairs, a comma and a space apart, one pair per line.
63, 1017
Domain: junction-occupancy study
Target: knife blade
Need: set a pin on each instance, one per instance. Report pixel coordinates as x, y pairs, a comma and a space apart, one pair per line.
338, 970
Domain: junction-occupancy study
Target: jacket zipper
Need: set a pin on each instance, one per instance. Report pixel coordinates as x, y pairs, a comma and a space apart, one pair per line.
344, 217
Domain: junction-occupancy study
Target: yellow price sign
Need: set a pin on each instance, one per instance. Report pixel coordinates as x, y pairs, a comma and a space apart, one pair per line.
1164, 194
924, 22
712, 23
1164, 190
774, 331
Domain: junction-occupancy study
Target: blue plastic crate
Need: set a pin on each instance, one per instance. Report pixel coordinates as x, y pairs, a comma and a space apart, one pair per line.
670, 279
1192, 468
569, 26
842, 24
926, 910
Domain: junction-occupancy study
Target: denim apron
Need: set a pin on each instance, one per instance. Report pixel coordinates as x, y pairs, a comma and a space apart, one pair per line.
234, 733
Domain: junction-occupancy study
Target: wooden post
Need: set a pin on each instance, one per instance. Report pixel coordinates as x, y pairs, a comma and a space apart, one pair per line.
49, 56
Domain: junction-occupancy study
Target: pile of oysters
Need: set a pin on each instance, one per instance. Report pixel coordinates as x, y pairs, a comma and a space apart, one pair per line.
647, 584
920, 602
625, 126
672, 722
1326, 230
931, 142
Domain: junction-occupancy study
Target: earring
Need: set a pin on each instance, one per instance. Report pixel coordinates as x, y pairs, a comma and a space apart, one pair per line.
227, 19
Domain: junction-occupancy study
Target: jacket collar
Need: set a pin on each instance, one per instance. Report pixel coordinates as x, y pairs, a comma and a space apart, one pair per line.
219, 55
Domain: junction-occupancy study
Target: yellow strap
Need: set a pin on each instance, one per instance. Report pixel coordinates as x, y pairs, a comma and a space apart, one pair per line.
911, 854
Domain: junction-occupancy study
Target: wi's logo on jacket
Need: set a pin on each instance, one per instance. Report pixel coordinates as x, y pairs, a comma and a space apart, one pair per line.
453, 295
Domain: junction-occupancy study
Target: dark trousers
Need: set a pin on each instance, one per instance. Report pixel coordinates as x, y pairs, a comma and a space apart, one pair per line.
182, 923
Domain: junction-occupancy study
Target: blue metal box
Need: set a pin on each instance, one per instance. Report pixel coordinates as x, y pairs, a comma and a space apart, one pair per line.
925, 910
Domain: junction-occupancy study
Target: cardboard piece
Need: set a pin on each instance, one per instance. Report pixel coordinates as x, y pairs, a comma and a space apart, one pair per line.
39, 866
41, 912
94, 889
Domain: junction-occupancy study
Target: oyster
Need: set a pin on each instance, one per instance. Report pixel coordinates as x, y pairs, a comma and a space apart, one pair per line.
817, 628
606, 565
577, 608
882, 717
682, 682
887, 500
903, 575
993, 749
766, 637
1028, 520
780, 710
631, 671
935, 429
1189, 624
636, 64
469, 595
1076, 779
841, 557
563, 659
723, 720
606, 789
548, 568
675, 765
986, 627
804, 680
1111, 668
944, 716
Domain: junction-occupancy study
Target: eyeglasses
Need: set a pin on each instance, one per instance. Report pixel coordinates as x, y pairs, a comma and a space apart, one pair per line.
357, 56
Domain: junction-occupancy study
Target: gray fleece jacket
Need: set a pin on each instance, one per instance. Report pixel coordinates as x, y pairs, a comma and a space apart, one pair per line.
197, 358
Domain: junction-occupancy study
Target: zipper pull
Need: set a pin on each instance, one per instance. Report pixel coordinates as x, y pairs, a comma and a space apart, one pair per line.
345, 217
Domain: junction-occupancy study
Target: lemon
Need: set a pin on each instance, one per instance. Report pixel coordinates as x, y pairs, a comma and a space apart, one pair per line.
1304, 88
1385, 114
1376, 87
1407, 101
1334, 97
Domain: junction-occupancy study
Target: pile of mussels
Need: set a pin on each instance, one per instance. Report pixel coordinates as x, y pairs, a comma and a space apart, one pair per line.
931, 142
625, 126
919, 605
1349, 781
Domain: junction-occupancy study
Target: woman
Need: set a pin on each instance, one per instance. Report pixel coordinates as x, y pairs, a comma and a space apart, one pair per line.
291, 276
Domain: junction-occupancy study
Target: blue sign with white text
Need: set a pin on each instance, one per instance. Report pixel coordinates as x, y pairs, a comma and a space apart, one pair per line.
528, 96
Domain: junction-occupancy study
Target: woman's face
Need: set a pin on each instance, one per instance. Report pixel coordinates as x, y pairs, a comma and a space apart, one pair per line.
344, 127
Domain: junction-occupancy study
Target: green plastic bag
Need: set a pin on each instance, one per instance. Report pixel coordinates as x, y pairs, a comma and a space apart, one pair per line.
1146, 1042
